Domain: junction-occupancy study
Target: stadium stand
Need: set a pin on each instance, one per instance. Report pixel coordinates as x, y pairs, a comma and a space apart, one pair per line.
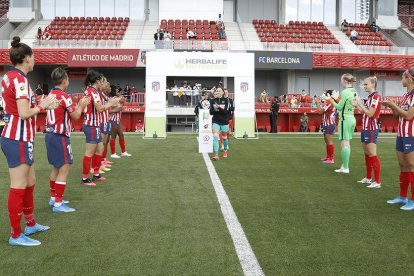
311, 33
366, 36
4, 7
406, 14
80, 29
207, 33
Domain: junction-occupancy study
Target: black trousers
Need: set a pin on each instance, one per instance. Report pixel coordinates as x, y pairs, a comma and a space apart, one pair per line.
273, 123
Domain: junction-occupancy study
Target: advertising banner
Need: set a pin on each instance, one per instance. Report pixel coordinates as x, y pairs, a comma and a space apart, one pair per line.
283, 60
103, 57
205, 134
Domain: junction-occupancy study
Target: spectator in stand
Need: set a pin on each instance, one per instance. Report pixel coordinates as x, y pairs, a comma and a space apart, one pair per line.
219, 20
39, 91
158, 35
303, 96
304, 120
354, 35
133, 93
196, 93
344, 25
175, 94
294, 102
222, 32
374, 27
39, 34
314, 100
285, 99
190, 34
139, 126
188, 94
167, 40
127, 93
264, 96
47, 35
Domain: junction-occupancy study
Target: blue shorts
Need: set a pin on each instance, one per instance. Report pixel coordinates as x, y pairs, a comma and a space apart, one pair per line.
405, 144
329, 129
221, 128
369, 136
92, 134
113, 123
59, 151
106, 127
17, 152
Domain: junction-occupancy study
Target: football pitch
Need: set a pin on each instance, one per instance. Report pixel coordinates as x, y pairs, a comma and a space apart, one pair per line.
158, 214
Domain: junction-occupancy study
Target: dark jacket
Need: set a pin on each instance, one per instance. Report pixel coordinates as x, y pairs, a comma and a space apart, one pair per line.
159, 36
221, 114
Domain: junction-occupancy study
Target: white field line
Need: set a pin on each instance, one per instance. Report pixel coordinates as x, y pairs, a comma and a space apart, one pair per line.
244, 251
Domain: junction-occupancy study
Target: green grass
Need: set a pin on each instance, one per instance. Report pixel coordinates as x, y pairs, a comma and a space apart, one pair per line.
302, 218
157, 214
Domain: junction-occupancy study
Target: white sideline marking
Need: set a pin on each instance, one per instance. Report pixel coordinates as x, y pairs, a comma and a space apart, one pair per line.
244, 251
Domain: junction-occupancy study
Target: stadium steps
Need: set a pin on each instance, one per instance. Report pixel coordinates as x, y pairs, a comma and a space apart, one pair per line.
408, 32
234, 36
133, 34
29, 36
346, 43
250, 37
147, 36
399, 37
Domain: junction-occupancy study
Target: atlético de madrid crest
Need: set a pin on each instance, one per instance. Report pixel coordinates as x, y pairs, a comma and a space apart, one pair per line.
155, 86
244, 86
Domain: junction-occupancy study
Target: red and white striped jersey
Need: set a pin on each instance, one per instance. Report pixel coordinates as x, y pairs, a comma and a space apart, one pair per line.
405, 127
104, 116
329, 115
14, 87
91, 116
116, 116
58, 120
373, 101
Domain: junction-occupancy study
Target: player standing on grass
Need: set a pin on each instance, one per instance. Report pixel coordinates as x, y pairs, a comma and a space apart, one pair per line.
329, 115
346, 126
370, 130
106, 125
58, 128
115, 115
219, 108
231, 111
405, 141
17, 142
91, 127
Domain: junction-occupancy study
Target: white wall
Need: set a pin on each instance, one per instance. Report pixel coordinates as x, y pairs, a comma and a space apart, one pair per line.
190, 9
257, 9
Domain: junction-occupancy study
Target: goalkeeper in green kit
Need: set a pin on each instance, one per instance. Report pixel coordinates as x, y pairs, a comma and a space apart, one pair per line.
347, 120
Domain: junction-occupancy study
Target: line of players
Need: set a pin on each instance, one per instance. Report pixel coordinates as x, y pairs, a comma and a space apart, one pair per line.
102, 111
344, 104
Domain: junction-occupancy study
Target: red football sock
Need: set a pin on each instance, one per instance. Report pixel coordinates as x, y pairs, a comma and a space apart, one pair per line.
331, 151
228, 135
368, 166
60, 190
221, 139
15, 205
28, 206
412, 185
404, 182
105, 152
122, 144
52, 187
376, 164
86, 166
112, 144
96, 163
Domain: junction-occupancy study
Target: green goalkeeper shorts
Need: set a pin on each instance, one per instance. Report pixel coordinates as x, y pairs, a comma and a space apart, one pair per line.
346, 128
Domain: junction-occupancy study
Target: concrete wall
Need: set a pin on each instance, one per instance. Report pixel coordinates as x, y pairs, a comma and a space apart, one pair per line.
6, 30
257, 9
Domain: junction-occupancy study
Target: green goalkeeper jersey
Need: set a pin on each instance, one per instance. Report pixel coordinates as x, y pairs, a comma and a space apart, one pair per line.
344, 107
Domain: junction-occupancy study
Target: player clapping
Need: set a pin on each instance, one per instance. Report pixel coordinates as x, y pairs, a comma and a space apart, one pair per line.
58, 129
329, 114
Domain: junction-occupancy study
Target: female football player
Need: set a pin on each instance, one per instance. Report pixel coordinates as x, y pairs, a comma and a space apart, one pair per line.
115, 115
219, 108
329, 113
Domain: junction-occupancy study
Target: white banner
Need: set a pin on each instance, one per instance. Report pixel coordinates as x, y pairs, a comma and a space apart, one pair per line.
205, 134
244, 97
155, 101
